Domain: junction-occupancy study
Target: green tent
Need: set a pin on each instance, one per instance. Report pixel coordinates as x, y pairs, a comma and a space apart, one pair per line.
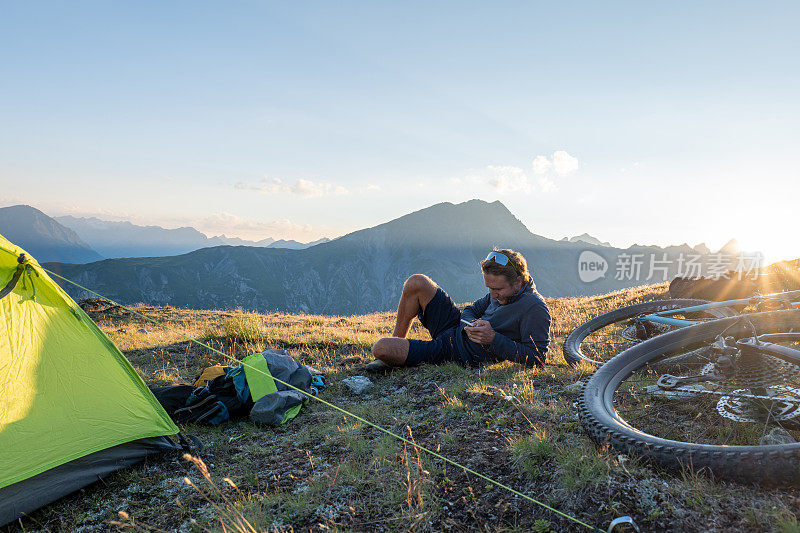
72, 408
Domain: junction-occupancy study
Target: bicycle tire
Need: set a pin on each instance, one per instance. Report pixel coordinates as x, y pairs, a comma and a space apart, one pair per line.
765, 464
572, 344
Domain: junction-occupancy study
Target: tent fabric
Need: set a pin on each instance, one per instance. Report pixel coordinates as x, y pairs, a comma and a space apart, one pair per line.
66, 391
28, 495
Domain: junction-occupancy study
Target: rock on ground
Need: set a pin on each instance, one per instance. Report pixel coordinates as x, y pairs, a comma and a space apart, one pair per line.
575, 387
358, 384
777, 436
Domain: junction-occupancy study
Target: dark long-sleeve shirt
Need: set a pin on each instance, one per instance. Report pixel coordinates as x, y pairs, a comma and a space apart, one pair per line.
521, 329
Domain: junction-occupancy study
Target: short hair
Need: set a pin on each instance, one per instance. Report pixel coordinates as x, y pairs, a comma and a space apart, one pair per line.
516, 268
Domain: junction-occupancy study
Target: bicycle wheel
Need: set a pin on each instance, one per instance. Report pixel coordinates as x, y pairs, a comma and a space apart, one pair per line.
601, 338
742, 425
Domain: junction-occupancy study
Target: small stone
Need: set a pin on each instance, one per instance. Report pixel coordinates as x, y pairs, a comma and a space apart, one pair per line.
122, 330
358, 384
777, 436
142, 330
575, 387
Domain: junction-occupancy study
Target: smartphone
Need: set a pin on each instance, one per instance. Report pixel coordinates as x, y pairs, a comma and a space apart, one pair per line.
467, 323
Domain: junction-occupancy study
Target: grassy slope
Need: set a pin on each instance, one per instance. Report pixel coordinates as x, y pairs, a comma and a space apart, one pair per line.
328, 471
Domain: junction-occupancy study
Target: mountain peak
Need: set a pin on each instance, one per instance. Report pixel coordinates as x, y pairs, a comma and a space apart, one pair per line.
44, 237
23, 210
588, 239
471, 209
702, 249
730, 248
447, 225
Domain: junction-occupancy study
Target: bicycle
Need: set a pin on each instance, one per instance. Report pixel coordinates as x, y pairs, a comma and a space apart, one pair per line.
597, 340
721, 396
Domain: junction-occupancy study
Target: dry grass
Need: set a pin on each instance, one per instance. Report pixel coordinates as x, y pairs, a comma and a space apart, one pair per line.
325, 471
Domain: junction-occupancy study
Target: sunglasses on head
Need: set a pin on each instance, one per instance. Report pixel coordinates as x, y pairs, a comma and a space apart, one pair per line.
501, 259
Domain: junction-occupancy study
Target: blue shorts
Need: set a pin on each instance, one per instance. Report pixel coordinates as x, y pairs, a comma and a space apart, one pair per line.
441, 318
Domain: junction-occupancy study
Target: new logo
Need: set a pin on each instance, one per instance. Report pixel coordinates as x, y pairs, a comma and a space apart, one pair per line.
591, 266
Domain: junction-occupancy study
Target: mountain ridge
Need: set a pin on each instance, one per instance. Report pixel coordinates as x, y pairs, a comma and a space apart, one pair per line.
362, 271
118, 239
44, 237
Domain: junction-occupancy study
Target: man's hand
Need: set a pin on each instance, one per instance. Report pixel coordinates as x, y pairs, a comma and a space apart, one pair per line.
481, 332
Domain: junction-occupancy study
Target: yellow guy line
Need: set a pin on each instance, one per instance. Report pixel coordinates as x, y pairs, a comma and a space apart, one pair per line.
336, 407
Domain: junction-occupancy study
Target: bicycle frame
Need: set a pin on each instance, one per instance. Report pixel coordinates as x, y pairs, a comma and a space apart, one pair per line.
790, 298
766, 344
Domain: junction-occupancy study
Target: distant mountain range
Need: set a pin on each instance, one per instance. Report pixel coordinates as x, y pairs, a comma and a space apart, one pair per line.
363, 271
83, 240
123, 239
43, 237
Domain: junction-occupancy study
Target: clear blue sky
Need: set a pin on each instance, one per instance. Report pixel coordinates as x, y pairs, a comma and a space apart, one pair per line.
649, 122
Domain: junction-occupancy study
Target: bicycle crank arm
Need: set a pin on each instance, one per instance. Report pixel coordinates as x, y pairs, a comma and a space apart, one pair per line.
669, 382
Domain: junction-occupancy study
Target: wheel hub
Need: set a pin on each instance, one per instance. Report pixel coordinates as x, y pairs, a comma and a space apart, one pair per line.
639, 330
763, 371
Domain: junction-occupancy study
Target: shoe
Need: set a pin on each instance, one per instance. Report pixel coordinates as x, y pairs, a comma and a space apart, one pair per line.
377, 366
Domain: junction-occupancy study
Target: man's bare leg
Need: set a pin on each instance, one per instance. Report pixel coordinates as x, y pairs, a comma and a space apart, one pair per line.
391, 350
418, 291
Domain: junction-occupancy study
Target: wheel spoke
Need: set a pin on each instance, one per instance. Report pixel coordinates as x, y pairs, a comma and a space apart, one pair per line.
749, 400
667, 416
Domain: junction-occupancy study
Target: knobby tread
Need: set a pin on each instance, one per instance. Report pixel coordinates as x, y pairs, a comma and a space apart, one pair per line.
768, 465
572, 344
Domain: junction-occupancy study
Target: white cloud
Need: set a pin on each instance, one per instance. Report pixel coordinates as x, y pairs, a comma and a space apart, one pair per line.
265, 186
7, 201
369, 187
546, 184
301, 187
507, 178
563, 163
635, 165
232, 225
311, 189
541, 164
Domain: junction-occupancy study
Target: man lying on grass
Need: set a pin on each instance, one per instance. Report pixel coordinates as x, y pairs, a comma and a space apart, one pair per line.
511, 323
